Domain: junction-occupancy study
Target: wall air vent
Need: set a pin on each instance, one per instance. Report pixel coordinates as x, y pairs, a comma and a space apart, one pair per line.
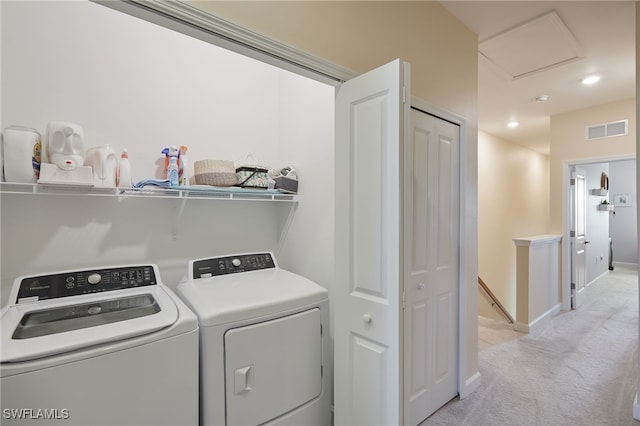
608, 130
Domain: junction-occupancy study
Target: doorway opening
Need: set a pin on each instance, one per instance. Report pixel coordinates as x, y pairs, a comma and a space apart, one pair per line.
609, 222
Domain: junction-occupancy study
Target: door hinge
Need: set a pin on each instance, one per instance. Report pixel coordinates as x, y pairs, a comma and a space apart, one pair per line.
573, 286
404, 94
404, 300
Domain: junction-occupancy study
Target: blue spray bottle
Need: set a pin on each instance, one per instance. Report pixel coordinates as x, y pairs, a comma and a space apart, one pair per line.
172, 169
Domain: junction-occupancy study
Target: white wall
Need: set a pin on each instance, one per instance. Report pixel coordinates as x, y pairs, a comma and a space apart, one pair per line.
569, 145
307, 126
132, 84
623, 225
513, 202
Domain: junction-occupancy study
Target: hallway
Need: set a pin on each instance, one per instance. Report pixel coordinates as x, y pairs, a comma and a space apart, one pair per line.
579, 369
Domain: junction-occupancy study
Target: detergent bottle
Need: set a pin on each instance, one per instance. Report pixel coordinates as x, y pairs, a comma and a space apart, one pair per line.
124, 171
183, 174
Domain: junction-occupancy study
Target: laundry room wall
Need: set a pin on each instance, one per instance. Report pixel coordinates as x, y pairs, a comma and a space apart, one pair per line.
134, 85
623, 228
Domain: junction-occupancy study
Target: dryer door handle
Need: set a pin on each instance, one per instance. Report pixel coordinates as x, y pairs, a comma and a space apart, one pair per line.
243, 379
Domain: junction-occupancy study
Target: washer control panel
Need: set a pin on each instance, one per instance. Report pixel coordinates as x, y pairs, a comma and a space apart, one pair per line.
83, 282
206, 268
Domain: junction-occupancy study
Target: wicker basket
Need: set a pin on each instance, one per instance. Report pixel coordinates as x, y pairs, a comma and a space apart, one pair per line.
215, 172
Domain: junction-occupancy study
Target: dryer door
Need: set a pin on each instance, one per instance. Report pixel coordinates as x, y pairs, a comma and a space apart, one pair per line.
272, 367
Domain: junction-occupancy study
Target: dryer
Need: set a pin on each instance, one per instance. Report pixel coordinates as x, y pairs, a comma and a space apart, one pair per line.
101, 346
264, 342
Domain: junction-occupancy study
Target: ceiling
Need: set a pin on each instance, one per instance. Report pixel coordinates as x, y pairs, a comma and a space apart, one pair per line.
533, 48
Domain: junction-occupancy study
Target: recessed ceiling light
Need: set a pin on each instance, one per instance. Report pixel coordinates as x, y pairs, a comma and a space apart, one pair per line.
542, 98
592, 79
513, 124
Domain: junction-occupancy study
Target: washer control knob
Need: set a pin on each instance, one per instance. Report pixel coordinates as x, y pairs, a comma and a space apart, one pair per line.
236, 262
94, 279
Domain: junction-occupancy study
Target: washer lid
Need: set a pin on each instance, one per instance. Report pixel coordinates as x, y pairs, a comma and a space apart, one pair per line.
229, 298
40, 329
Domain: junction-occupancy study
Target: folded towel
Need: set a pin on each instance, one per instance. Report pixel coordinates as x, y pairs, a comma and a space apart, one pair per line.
161, 183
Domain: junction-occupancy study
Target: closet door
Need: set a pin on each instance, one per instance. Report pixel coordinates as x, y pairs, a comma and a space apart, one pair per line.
431, 265
371, 114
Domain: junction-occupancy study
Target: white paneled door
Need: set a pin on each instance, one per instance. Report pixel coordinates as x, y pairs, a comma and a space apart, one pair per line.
578, 237
370, 114
397, 254
431, 247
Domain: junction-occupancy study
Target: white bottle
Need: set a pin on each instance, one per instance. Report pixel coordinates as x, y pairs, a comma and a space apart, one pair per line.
183, 168
124, 171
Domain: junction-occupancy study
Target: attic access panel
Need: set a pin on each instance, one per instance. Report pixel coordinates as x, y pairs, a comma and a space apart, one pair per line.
535, 46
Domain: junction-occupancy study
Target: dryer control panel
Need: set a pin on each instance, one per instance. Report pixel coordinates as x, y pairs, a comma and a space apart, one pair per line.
83, 282
206, 268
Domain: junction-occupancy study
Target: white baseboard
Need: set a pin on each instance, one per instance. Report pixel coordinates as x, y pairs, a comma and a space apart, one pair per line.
625, 264
521, 327
636, 408
470, 386
536, 323
597, 278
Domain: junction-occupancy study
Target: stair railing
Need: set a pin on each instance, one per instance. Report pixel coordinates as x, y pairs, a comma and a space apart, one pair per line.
495, 301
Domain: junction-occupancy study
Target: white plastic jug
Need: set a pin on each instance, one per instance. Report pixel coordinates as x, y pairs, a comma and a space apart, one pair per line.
21, 156
64, 146
103, 161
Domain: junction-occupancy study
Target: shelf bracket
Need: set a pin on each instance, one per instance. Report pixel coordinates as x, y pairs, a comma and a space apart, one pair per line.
178, 217
285, 228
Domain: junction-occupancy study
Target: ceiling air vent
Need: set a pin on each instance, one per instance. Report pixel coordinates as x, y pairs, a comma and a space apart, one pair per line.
608, 130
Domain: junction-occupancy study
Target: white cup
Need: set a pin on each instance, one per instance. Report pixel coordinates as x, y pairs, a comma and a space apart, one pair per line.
21, 154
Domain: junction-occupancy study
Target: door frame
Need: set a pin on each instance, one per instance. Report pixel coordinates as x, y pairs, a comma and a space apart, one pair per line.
578, 285
566, 254
465, 387
199, 24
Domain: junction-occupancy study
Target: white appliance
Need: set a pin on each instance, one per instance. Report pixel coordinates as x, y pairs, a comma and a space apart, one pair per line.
63, 156
105, 346
264, 342
102, 160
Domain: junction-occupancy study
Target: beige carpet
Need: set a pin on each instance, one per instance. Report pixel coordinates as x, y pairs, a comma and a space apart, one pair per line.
581, 367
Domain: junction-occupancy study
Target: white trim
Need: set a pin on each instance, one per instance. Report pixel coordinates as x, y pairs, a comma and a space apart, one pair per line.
471, 384
636, 408
538, 240
465, 385
625, 264
535, 325
597, 278
202, 25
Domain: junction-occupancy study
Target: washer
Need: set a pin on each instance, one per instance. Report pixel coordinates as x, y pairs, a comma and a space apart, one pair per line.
264, 342
104, 346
